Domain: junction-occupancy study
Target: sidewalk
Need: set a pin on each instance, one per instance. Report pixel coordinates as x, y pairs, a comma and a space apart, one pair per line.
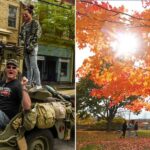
60, 86
67, 92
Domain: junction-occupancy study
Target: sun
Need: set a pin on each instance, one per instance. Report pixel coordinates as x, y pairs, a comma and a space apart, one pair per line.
125, 44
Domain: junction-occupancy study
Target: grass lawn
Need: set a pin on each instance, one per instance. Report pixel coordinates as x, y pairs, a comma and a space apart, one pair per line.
102, 140
144, 133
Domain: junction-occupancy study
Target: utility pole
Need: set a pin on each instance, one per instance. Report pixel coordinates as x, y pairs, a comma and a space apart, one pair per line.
129, 115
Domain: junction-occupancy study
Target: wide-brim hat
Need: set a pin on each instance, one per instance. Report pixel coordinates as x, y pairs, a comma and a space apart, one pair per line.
12, 62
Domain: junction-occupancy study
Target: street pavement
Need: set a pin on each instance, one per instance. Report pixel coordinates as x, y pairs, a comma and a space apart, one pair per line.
67, 92
64, 145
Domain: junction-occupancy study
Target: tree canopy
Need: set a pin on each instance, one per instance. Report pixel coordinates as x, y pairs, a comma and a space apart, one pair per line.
120, 74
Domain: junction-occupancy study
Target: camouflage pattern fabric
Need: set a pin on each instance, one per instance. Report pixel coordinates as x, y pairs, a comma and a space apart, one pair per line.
45, 115
29, 119
30, 32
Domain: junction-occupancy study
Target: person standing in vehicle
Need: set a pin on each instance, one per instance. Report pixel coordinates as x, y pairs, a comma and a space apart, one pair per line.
30, 32
12, 94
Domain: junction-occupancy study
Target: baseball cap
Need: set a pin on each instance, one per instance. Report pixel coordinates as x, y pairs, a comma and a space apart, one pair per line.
12, 62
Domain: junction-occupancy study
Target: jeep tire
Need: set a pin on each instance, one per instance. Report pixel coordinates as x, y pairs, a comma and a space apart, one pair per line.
40, 139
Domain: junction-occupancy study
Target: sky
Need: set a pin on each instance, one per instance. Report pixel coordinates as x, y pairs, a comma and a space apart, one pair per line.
129, 115
131, 5
81, 55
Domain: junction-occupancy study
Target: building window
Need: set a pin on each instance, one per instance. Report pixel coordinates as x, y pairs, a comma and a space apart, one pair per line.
64, 66
12, 16
9, 56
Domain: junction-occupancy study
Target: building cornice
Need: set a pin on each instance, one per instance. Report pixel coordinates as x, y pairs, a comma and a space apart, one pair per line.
5, 32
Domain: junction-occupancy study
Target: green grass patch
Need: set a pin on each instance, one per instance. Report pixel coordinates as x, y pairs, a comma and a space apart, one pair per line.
144, 133
93, 147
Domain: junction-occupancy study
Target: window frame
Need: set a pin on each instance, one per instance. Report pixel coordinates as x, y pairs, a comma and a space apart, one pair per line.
10, 18
64, 71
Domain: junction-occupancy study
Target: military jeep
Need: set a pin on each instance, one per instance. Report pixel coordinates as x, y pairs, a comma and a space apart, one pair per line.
17, 135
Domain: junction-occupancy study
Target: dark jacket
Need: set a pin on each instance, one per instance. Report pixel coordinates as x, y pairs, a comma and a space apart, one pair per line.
124, 126
136, 126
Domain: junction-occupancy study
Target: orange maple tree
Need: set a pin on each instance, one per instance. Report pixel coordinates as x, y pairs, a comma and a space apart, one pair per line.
119, 78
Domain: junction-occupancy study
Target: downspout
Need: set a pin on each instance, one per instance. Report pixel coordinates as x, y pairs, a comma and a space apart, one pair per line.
19, 21
19, 28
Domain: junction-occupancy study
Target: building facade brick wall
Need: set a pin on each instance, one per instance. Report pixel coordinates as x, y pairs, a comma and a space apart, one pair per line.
9, 34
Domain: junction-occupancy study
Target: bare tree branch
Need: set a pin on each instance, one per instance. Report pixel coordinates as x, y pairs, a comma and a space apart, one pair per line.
117, 12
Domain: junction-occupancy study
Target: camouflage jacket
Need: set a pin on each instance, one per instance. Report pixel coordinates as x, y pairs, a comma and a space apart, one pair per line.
30, 32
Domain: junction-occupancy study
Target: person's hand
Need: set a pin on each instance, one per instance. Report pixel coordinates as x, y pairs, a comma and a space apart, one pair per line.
24, 81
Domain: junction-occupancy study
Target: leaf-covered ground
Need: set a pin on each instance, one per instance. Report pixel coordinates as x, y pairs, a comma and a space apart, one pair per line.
101, 140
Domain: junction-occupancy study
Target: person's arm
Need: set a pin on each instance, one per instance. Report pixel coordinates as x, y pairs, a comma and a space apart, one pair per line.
21, 37
26, 101
36, 32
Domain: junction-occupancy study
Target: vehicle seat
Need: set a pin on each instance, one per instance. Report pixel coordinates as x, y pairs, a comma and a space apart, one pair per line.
12, 130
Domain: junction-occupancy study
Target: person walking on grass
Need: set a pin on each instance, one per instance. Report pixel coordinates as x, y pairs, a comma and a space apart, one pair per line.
136, 128
124, 129
130, 127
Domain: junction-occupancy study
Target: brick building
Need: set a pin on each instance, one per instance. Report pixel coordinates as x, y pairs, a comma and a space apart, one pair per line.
9, 21
10, 11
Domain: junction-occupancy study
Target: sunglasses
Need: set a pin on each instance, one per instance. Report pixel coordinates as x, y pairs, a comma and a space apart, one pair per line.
11, 67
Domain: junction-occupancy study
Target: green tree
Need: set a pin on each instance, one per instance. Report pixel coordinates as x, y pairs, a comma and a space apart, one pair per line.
97, 107
57, 23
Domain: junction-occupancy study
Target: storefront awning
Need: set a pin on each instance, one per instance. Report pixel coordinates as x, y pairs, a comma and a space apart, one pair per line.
48, 50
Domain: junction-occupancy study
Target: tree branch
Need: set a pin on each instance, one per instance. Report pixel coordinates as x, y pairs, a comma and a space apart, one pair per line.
116, 22
117, 12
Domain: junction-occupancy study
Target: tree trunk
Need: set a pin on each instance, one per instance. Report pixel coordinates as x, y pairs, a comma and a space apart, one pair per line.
111, 114
109, 123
